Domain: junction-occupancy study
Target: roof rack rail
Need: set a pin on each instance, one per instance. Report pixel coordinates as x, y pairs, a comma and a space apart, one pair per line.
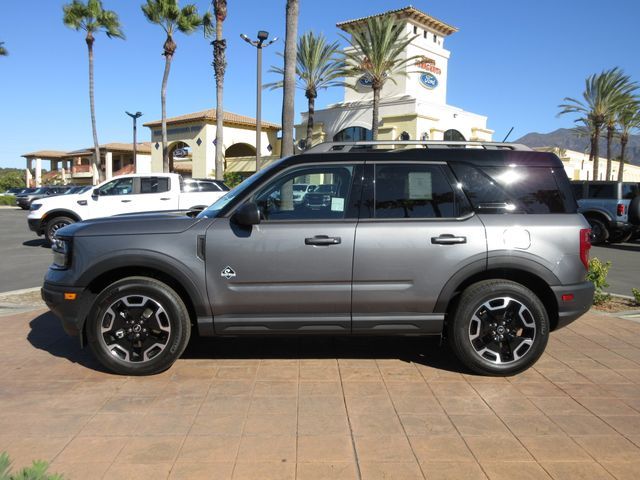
328, 147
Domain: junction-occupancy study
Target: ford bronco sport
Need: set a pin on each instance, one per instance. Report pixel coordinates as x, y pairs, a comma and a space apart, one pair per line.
477, 242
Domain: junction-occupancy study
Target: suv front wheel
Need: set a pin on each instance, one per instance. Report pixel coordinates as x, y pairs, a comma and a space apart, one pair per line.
138, 326
500, 327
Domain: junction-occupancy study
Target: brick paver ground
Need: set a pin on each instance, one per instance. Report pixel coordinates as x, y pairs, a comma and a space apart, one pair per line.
334, 408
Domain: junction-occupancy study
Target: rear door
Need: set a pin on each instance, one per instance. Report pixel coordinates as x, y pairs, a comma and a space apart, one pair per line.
155, 193
416, 233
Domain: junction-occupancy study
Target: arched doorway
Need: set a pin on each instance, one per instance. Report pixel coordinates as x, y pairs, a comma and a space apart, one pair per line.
240, 150
454, 136
353, 134
180, 158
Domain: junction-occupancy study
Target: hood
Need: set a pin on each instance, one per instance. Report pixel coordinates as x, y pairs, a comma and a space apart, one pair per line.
131, 224
63, 201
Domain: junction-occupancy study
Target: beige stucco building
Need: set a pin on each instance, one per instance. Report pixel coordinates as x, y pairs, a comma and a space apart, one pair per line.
579, 167
413, 104
192, 143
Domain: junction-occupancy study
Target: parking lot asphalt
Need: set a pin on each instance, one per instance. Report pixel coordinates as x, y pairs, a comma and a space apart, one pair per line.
324, 408
24, 258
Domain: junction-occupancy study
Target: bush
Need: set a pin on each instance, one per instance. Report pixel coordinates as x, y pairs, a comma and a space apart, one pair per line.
37, 471
597, 274
7, 200
11, 180
231, 179
636, 295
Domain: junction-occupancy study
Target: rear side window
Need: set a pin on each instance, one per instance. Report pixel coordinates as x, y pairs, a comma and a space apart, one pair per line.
414, 191
630, 190
516, 189
154, 184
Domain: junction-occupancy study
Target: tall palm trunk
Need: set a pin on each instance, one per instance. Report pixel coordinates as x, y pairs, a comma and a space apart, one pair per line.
311, 107
623, 147
595, 149
96, 172
169, 50
610, 130
219, 66
288, 95
374, 120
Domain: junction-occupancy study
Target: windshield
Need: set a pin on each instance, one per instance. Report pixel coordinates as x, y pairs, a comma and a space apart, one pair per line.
238, 190
38, 191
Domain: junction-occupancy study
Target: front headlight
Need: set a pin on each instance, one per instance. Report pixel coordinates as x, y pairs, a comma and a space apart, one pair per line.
35, 206
61, 249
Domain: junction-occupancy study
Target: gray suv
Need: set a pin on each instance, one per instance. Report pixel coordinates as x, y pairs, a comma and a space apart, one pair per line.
480, 243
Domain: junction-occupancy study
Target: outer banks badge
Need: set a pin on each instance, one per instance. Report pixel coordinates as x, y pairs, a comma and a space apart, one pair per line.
227, 272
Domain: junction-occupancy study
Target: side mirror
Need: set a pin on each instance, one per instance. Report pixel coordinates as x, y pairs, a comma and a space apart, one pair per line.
95, 193
247, 215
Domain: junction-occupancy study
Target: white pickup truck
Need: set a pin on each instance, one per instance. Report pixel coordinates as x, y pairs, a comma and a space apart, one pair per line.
133, 193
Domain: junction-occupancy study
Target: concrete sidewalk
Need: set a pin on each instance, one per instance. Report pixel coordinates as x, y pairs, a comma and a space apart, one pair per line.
334, 408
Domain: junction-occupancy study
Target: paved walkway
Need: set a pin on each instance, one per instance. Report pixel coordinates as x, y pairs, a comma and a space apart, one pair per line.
333, 408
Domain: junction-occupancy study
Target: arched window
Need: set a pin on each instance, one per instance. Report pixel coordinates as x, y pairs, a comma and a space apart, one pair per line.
240, 150
353, 134
453, 136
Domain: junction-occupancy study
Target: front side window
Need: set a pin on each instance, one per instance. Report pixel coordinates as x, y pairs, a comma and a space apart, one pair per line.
310, 193
414, 191
154, 184
121, 186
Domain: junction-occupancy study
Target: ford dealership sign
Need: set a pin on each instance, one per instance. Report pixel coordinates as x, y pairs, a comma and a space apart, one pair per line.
428, 80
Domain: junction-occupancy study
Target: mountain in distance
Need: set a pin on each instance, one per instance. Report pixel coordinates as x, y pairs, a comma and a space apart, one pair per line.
569, 140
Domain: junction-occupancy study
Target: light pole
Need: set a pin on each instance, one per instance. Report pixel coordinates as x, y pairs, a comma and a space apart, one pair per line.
259, 44
135, 117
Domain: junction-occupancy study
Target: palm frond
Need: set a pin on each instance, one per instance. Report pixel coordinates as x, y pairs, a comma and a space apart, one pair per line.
92, 17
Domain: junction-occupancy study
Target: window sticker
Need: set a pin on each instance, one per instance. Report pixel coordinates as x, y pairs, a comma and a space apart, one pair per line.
337, 204
420, 187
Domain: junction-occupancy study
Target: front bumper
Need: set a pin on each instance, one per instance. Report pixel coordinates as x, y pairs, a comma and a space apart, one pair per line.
72, 313
35, 225
23, 202
570, 310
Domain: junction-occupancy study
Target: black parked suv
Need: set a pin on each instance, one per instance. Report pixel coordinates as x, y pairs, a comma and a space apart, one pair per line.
24, 200
477, 242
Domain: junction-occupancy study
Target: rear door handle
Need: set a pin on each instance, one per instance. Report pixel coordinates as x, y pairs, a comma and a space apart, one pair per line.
322, 240
448, 239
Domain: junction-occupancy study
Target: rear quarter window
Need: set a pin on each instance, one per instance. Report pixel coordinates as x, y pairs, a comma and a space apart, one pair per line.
516, 189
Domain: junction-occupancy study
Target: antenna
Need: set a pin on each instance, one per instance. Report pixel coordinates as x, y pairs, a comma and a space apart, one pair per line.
507, 136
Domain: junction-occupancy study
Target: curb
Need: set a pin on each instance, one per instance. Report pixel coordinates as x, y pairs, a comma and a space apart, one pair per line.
19, 292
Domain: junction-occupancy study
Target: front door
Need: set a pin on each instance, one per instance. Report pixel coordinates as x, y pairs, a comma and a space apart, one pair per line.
418, 235
112, 198
292, 272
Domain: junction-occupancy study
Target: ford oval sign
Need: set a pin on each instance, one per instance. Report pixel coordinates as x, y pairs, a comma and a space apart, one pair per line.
428, 80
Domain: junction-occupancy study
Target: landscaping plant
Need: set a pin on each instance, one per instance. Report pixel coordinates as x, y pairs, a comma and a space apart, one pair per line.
597, 274
37, 471
636, 295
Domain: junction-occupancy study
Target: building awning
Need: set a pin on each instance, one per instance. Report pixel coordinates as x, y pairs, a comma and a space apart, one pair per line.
46, 155
411, 13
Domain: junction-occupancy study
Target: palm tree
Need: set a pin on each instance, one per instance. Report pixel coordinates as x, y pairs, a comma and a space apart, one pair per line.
317, 67
604, 93
376, 52
219, 67
621, 97
170, 17
289, 85
3, 51
628, 120
92, 18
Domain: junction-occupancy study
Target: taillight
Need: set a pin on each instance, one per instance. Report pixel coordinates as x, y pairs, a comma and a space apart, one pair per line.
620, 210
585, 246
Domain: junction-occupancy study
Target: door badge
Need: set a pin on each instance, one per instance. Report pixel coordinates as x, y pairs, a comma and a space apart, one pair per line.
227, 272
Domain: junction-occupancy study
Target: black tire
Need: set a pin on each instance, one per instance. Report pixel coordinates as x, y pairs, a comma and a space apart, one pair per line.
599, 232
634, 211
55, 224
486, 312
620, 236
146, 306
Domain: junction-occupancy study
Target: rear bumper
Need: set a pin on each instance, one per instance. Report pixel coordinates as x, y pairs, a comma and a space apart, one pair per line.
72, 313
570, 310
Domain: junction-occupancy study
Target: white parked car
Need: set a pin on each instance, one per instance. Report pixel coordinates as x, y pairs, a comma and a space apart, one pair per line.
133, 193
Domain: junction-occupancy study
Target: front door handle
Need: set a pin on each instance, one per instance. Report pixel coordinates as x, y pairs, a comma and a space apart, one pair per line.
322, 240
448, 239
125, 201
165, 198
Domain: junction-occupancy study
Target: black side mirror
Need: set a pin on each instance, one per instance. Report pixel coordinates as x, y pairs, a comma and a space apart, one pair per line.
247, 215
95, 193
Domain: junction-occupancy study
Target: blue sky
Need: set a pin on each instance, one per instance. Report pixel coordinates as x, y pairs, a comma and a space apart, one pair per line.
512, 61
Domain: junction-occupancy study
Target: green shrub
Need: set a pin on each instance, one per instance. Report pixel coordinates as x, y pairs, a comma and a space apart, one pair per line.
37, 471
231, 179
636, 295
7, 200
597, 274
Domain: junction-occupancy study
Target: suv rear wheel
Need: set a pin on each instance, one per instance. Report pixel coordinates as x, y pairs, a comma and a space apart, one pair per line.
138, 326
500, 327
599, 232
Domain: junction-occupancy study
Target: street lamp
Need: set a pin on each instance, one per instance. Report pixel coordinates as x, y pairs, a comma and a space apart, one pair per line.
259, 44
135, 117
